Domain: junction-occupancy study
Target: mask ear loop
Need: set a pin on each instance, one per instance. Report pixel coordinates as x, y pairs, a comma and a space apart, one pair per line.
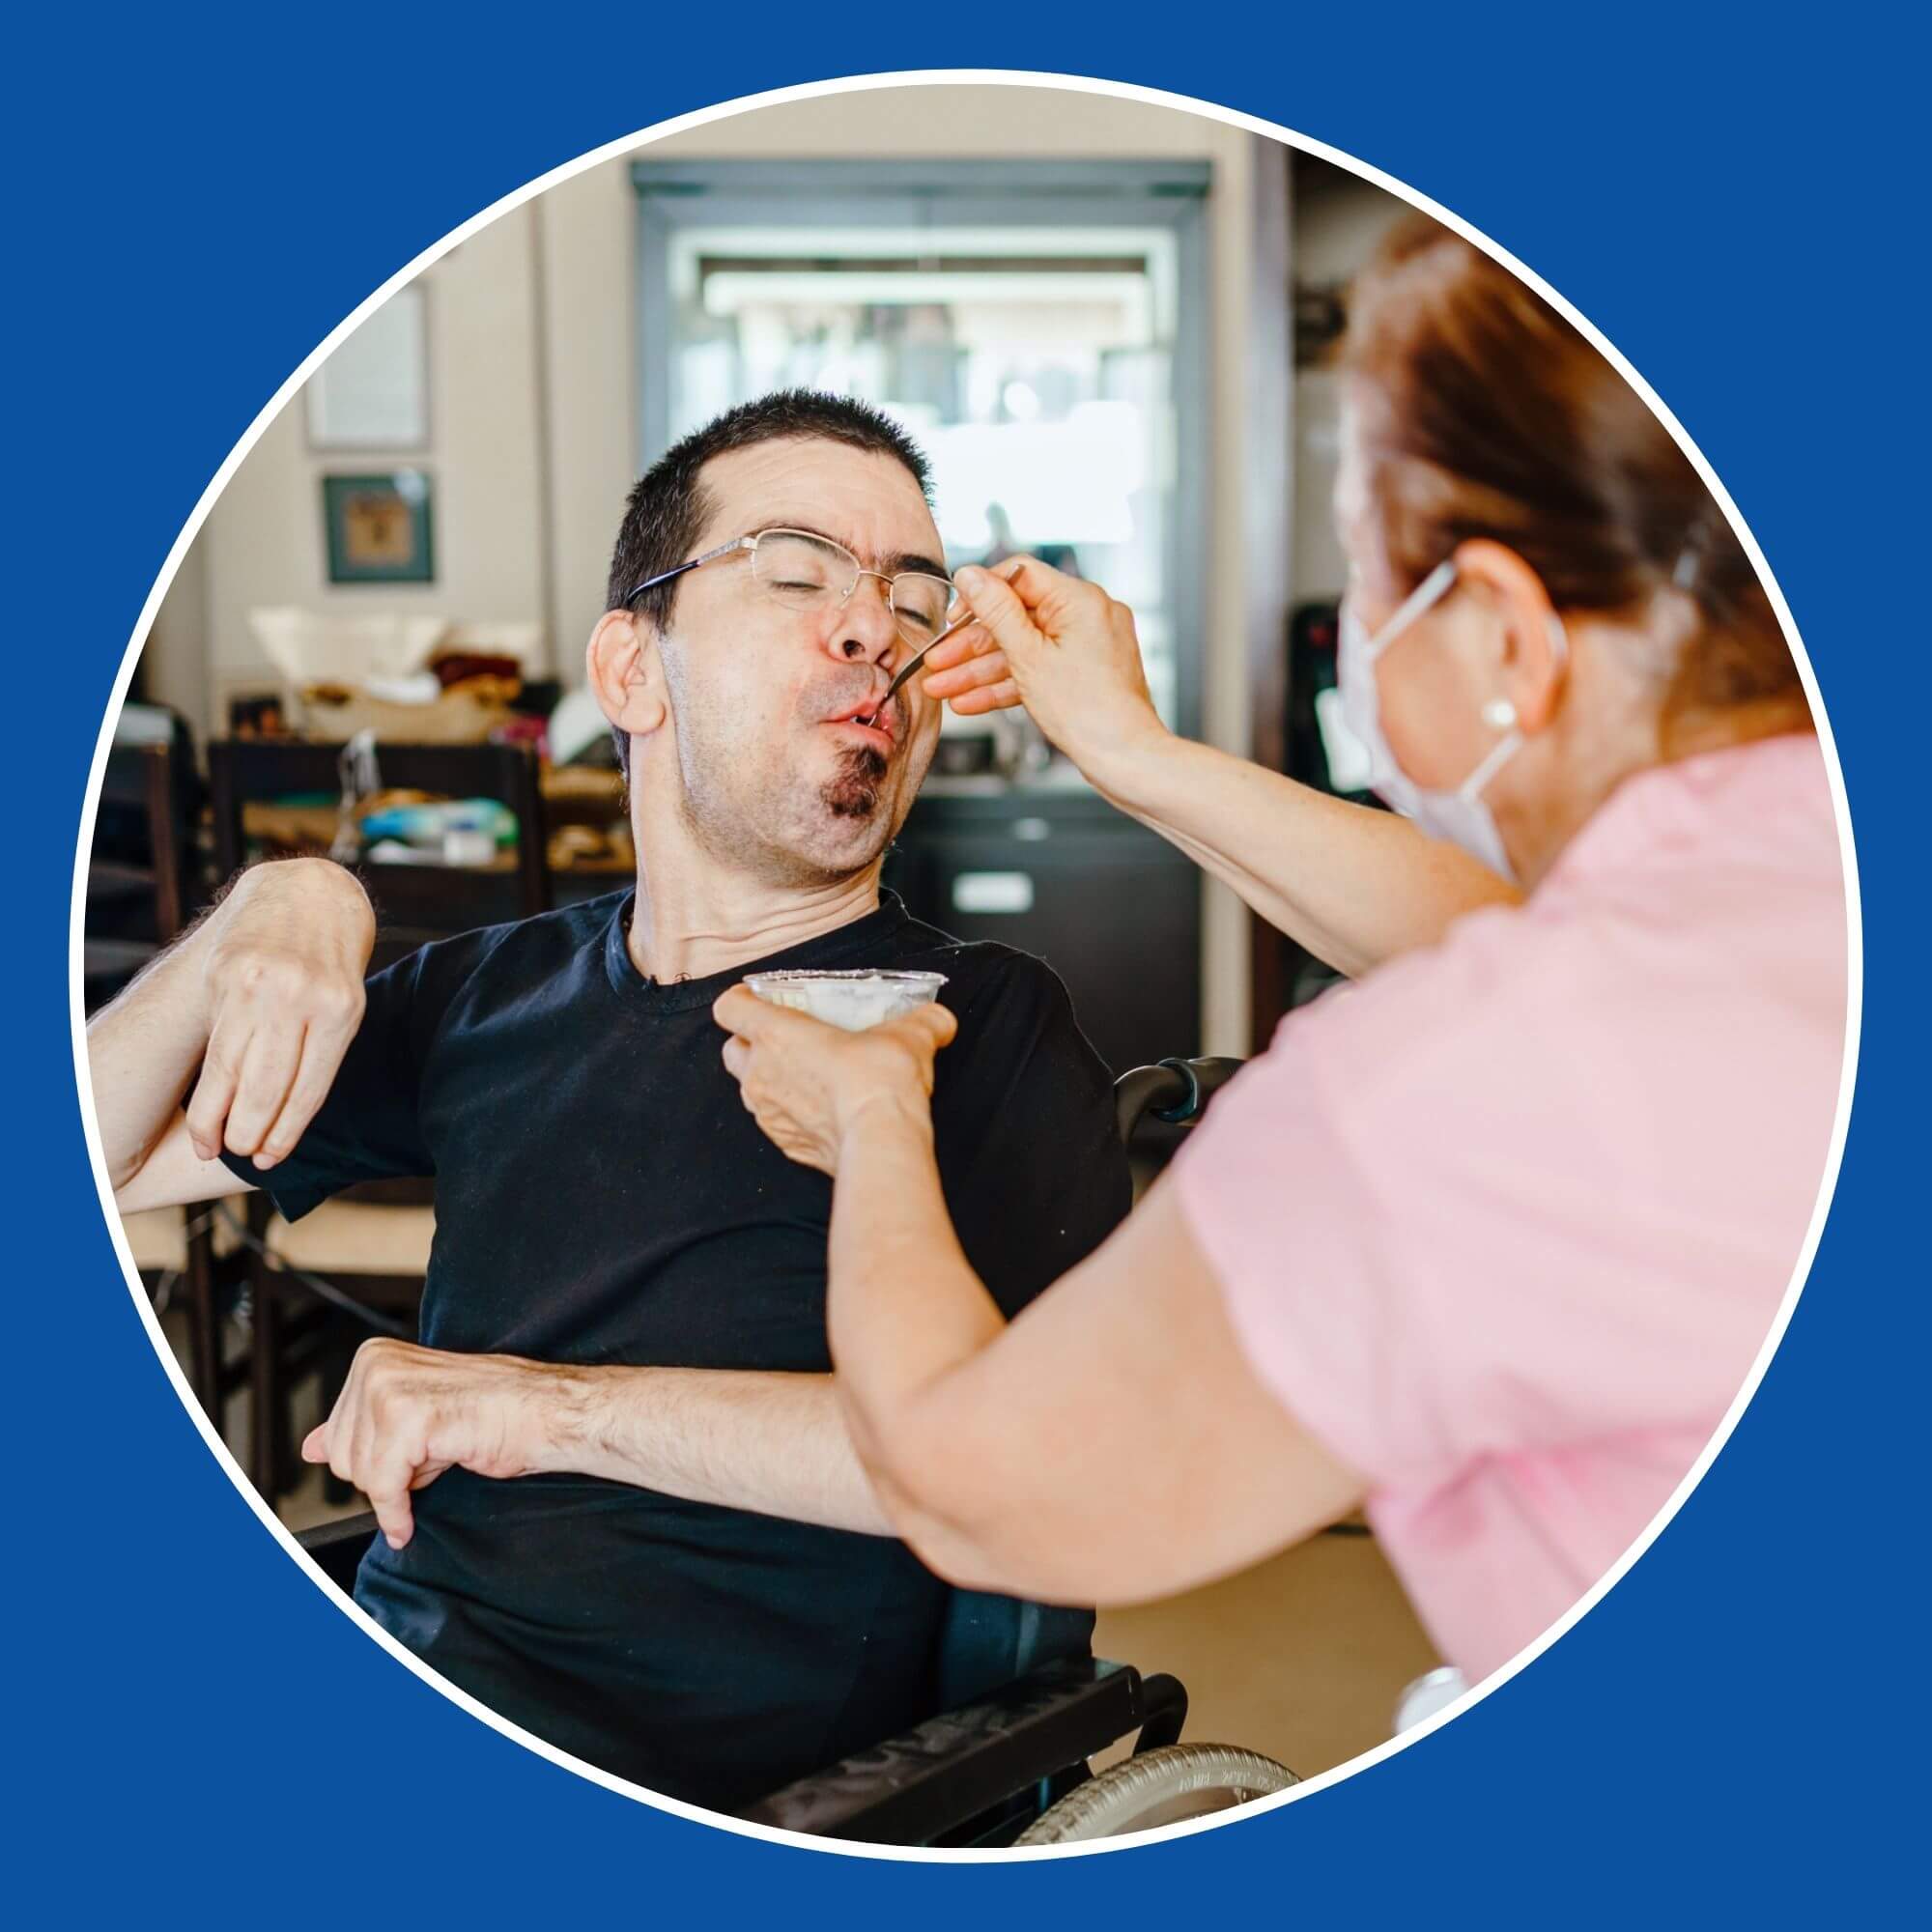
1500, 753
1431, 590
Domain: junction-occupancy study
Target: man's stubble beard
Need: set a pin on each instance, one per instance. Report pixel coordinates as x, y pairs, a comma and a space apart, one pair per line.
857, 789
751, 816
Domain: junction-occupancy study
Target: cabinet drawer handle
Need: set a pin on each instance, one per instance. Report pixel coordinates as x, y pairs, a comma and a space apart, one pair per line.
993, 892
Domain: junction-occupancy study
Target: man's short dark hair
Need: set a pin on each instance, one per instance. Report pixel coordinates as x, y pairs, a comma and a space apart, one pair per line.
669, 507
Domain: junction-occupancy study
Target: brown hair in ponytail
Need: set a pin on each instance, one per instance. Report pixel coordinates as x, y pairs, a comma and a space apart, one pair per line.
1485, 413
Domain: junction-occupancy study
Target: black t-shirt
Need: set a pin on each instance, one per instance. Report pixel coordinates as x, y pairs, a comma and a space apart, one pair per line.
603, 1197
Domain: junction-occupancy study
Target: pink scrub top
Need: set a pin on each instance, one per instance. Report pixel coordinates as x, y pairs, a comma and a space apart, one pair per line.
1505, 1224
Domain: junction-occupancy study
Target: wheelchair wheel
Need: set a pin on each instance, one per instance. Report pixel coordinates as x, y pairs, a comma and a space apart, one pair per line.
1159, 1787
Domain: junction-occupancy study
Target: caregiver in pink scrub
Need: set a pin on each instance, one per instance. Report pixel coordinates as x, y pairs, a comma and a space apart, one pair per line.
1486, 1242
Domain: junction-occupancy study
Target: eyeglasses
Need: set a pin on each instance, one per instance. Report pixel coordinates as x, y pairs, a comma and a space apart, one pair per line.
813, 573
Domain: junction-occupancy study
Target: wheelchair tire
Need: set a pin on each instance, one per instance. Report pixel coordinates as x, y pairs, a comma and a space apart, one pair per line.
1127, 1797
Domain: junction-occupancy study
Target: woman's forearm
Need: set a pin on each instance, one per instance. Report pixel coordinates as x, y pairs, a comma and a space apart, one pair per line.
905, 1306
1354, 885
995, 1449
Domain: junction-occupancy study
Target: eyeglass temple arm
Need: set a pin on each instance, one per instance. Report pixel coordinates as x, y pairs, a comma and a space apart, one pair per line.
709, 557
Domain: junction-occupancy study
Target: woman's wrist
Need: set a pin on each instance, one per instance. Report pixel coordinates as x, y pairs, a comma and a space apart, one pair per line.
887, 1116
1123, 762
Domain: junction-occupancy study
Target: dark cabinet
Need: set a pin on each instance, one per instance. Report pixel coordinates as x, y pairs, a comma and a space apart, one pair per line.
1114, 909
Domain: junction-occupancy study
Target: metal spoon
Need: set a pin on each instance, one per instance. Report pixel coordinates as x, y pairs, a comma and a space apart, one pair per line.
912, 664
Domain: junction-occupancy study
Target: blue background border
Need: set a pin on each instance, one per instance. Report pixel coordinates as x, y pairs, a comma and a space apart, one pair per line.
201, 199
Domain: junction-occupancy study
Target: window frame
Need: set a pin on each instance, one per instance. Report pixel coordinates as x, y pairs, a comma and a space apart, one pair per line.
941, 194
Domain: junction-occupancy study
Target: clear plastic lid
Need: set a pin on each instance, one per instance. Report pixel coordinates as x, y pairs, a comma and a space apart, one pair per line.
854, 1000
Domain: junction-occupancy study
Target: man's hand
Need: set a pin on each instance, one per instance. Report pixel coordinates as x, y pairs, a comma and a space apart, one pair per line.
407, 1414
281, 983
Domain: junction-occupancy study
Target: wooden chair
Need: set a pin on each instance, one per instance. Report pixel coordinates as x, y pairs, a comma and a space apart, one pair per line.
139, 870
196, 1250
144, 883
413, 903
369, 1244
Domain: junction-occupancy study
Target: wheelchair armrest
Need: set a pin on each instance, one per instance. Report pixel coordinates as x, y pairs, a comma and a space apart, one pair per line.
950, 1768
337, 1548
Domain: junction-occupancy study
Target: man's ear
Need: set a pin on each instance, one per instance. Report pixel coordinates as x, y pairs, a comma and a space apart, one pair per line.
627, 674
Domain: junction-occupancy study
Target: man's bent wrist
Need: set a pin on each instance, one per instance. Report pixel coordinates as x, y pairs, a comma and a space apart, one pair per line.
558, 1406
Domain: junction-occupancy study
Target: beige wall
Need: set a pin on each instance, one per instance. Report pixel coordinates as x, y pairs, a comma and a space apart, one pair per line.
175, 660
264, 541
530, 474
587, 238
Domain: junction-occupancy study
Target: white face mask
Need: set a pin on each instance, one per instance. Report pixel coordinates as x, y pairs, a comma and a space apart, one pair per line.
1460, 816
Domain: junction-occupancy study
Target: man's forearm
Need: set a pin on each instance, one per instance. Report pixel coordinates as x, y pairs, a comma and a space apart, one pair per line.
142, 1051
776, 1444
263, 996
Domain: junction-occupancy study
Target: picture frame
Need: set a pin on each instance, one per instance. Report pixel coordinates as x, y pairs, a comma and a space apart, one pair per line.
372, 393
380, 527
258, 714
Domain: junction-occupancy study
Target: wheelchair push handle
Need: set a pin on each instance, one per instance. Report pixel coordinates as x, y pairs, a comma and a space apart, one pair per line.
1175, 1091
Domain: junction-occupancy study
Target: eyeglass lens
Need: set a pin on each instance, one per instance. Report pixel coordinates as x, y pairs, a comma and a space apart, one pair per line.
809, 574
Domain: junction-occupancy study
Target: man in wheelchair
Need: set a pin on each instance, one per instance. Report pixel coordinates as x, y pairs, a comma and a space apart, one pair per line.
619, 1503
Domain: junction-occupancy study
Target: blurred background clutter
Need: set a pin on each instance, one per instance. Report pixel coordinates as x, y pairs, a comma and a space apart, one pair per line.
1105, 321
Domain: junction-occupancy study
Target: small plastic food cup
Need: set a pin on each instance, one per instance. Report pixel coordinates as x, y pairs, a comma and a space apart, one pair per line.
854, 1001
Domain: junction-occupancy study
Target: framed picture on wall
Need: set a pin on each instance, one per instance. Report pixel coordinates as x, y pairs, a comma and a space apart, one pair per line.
380, 527
258, 714
372, 392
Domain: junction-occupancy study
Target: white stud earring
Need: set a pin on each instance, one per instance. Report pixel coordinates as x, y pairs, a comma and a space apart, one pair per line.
1500, 713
